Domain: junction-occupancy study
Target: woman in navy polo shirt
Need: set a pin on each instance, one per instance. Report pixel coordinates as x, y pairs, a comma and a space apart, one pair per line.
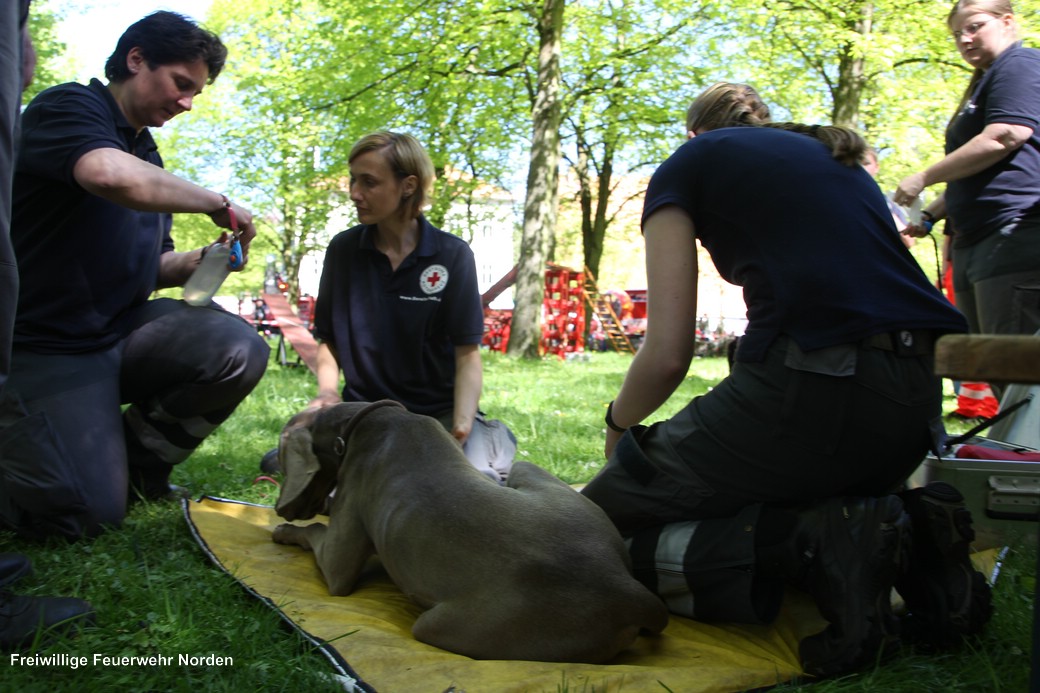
992, 172
786, 469
398, 308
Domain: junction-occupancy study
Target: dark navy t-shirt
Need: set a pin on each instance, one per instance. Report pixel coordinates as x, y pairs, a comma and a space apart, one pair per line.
82, 261
810, 240
1009, 92
395, 332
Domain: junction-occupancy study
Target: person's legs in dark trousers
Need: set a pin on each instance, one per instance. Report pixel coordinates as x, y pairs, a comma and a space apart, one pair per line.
770, 433
987, 280
76, 396
1001, 304
22, 618
777, 433
10, 97
184, 370
800, 441
996, 306
846, 552
670, 560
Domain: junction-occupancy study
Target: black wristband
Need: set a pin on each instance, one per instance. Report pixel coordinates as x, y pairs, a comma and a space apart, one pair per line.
609, 419
928, 216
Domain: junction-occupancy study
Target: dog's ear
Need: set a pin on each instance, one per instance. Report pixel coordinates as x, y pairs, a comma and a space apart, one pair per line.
301, 468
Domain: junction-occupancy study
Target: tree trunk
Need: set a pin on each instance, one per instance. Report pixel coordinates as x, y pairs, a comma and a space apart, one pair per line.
540, 205
852, 74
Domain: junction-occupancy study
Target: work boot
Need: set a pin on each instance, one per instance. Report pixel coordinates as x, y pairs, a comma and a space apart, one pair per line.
153, 485
13, 567
149, 476
146, 486
853, 549
269, 463
946, 597
26, 620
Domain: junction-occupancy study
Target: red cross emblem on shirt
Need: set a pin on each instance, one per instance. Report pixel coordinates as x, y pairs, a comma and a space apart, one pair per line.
433, 279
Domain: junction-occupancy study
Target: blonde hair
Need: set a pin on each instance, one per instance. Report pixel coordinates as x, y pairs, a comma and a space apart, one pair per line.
406, 157
996, 8
846, 145
724, 105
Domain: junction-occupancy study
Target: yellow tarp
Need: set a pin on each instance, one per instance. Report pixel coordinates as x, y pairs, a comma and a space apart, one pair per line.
368, 638
370, 630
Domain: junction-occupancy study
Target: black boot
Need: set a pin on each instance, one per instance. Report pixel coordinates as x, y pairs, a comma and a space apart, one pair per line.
149, 477
153, 484
946, 597
13, 567
25, 621
846, 553
270, 463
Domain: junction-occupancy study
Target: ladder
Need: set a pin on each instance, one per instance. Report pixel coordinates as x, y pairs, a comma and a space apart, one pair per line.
602, 309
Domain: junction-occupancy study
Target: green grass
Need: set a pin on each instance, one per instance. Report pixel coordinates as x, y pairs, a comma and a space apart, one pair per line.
155, 591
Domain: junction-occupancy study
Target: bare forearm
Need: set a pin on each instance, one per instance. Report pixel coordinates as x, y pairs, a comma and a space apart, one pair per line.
650, 381
663, 359
469, 380
128, 181
327, 373
996, 142
982, 151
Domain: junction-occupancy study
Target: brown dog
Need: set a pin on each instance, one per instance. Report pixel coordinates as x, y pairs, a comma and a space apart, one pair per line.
531, 570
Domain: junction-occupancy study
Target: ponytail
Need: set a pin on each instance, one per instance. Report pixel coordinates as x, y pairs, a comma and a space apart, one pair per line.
845, 144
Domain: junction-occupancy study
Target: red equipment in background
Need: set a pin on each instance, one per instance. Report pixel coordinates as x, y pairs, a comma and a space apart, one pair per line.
563, 313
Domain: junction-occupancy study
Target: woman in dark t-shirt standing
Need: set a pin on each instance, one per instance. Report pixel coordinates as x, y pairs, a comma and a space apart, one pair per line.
992, 172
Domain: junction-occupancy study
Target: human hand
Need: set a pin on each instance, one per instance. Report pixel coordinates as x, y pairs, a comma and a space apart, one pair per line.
909, 189
324, 399
239, 220
916, 230
460, 430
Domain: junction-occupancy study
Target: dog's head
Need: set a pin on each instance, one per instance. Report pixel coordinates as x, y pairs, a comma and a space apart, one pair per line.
310, 450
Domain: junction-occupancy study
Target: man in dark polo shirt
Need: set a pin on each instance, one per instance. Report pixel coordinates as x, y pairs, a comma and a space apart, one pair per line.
91, 231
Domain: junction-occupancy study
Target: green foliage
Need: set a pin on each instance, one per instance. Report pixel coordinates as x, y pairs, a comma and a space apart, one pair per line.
559, 421
43, 19
306, 78
618, 100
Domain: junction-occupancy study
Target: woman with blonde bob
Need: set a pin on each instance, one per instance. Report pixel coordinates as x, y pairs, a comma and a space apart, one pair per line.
784, 470
398, 310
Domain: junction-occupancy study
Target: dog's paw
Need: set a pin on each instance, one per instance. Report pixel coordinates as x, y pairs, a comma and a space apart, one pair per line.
284, 534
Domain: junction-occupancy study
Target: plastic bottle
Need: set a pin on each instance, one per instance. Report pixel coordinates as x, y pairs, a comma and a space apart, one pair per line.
205, 281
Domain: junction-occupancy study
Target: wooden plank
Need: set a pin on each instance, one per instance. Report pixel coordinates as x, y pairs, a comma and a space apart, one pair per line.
293, 330
989, 358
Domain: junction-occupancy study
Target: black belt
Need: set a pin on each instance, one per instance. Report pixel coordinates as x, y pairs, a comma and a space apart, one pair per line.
903, 342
